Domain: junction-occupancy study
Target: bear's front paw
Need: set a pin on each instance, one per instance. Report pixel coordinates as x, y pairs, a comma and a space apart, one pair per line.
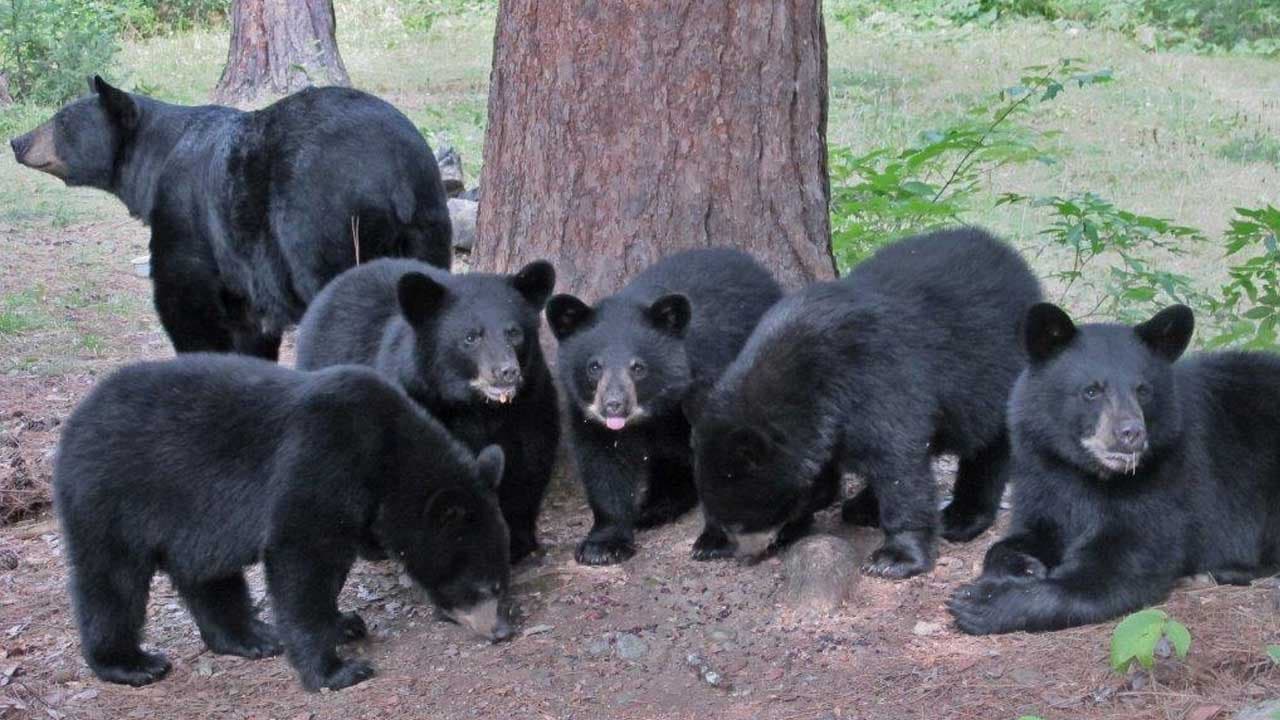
143, 668
348, 673
984, 607
712, 544
901, 556
352, 627
961, 524
608, 551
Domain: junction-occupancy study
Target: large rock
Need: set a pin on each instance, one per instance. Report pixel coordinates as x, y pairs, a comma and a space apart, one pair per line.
462, 213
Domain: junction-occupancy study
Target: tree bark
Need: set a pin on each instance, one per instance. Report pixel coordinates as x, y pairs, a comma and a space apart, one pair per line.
279, 47
620, 132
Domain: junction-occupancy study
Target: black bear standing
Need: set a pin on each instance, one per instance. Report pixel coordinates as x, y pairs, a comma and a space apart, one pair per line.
1130, 471
912, 355
632, 366
203, 465
466, 348
251, 213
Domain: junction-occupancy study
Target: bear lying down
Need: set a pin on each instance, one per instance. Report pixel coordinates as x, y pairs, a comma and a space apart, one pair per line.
205, 464
1130, 469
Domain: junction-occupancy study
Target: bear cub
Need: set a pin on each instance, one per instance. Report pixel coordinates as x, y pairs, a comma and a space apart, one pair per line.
911, 355
633, 366
1132, 468
466, 348
202, 465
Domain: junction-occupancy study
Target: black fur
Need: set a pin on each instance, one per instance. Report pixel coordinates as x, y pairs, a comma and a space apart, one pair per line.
251, 213
466, 348
642, 359
203, 465
913, 354
1187, 479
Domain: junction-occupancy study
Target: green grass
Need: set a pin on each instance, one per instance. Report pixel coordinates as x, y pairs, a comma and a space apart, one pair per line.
22, 312
1256, 148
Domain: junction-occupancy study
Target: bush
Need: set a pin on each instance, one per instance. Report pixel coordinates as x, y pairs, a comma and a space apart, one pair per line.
50, 47
146, 18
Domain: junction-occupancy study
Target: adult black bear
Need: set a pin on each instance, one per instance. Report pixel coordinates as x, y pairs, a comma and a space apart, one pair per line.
466, 348
632, 366
1130, 471
251, 213
205, 464
913, 354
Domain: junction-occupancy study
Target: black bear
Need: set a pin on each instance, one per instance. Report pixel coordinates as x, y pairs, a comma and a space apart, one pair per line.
911, 355
205, 464
251, 213
466, 348
1130, 470
634, 367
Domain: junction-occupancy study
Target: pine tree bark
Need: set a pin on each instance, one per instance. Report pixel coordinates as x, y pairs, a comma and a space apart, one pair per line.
279, 47
620, 132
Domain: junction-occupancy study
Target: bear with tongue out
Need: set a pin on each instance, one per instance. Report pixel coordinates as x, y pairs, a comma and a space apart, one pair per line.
634, 368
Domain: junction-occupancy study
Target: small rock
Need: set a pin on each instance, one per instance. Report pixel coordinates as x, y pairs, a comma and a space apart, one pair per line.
599, 646
821, 571
537, 630
450, 163
723, 635
8, 560
925, 629
462, 213
204, 667
631, 647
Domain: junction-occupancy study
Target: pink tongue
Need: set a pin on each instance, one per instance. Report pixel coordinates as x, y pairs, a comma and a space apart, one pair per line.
615, 423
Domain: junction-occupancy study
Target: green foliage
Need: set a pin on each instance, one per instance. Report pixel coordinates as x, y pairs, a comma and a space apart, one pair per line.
49, 47
1239, 25
1251, 299
1273, 652
1257, 147
1137, 635
886, 193
146, 18
421, 15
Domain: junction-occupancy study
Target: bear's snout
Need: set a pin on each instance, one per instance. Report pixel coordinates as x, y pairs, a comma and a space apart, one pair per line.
38, 151
20, 145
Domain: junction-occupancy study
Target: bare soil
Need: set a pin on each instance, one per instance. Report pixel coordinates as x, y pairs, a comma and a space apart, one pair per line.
657, 637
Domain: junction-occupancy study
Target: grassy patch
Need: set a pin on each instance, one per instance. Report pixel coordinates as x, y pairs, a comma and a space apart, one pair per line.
23, 312
1256, 148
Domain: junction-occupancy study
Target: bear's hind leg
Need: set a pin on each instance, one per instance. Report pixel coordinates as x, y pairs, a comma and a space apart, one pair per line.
979, 485
111, 608
224, 613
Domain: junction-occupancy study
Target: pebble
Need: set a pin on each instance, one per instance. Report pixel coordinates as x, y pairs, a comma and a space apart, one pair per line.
537, 630
631, 647
925, 629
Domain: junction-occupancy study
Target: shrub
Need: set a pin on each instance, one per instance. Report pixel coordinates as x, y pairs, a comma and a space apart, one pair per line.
50, 47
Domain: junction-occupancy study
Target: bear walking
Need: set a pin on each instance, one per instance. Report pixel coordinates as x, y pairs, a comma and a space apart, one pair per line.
251, 213
911, 355
1131, 469
466, 348
633, 366
203, 465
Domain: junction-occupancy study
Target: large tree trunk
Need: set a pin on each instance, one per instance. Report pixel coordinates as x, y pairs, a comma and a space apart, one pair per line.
620, 132
278, 47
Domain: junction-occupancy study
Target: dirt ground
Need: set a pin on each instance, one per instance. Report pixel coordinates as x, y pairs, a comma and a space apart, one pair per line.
657, 637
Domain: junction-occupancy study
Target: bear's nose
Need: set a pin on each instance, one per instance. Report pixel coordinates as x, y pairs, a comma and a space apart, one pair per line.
19, 145
502, 631
508, 374
612, 407
1132, 436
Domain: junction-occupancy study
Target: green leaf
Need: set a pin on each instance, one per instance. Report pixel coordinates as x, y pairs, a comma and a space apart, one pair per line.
1273, 652
1179, 637
1258, 313
1135, 638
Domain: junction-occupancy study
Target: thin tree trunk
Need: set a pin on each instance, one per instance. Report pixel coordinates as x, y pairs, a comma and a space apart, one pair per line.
279, 47
620, 132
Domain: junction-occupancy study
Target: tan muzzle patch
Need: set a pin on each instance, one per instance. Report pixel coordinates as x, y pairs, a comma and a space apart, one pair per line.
37, 150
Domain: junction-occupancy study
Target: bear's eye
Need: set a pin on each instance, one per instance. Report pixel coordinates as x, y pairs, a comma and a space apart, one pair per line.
472, 337
594, 368
1091, 392
638, 369
1143, 391
515, 334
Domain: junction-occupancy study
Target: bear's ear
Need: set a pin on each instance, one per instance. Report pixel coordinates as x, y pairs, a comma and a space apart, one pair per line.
670, 314
566, 314
420, 297
1169, 332
119, 106
1047, 331
446, 510
489, 465
535, 282
750, 445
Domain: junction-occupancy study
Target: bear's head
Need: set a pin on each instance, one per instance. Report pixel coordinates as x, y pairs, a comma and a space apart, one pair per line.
476, 335
455, 546
622, 361
749, 480
1100, 397
80, 144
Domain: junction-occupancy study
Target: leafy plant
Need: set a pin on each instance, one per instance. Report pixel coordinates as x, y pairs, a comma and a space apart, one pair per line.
1273, 652
49, 47
1251, 299
886, 193
1137, 636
